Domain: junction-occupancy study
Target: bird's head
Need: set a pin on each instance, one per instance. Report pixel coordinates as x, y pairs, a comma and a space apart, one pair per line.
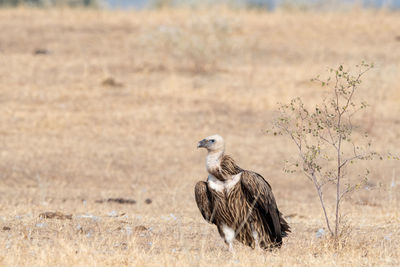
212, 143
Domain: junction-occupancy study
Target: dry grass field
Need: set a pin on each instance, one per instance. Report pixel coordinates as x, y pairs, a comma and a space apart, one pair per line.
108, 104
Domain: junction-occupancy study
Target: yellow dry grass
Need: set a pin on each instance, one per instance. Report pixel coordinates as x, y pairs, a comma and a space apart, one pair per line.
112, 105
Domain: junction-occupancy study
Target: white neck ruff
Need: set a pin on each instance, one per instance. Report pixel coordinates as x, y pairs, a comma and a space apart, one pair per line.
213, 160
220, 186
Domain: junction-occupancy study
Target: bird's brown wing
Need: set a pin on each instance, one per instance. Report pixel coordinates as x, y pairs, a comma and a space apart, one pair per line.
203, 200
259, 192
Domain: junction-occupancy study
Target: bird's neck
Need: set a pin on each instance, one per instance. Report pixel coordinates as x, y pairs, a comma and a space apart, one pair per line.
213, 161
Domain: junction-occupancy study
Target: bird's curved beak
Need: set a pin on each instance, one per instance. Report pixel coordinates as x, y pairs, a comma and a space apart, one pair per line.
202, 143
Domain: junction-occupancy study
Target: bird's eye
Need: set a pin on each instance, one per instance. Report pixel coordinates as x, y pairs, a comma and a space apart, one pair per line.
212, 140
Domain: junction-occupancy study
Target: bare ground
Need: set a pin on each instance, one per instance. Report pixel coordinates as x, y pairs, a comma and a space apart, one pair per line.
97, 105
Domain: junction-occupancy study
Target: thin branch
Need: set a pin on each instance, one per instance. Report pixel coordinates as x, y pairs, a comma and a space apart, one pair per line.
321, 199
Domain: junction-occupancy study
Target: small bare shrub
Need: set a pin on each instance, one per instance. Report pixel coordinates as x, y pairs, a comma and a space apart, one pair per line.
326, 139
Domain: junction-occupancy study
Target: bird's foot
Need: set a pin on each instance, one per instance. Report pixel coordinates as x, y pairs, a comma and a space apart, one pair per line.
231, 249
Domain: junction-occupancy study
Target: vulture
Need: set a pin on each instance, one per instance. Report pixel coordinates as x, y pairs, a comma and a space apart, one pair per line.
239, 202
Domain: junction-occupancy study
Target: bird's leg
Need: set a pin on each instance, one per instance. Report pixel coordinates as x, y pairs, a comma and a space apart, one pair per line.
229, 236
231, 250
255, 237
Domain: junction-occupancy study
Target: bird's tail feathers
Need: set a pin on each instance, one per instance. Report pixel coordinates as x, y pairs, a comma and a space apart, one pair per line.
285, 228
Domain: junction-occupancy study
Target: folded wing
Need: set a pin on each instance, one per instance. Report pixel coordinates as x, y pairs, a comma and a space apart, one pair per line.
203, 200
259, 192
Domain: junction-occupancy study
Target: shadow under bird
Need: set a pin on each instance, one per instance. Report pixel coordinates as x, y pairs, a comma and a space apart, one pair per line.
239, 202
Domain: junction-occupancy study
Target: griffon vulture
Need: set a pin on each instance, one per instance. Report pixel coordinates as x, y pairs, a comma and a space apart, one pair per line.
239, 202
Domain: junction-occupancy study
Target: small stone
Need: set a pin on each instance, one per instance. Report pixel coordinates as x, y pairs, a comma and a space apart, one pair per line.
110, 81
55, 215
88, 216
121, 200
41, 225
41, 51
113, 213
320, 233
140, 228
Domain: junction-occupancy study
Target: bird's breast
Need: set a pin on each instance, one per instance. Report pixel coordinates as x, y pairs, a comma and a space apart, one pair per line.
223, 186
215, 184
229, 201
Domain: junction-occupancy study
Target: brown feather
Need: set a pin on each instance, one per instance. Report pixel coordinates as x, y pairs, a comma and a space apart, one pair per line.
202, 196
226, 169
255, 185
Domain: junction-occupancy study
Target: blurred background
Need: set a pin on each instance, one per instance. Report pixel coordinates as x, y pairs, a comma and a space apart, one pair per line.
264, 4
